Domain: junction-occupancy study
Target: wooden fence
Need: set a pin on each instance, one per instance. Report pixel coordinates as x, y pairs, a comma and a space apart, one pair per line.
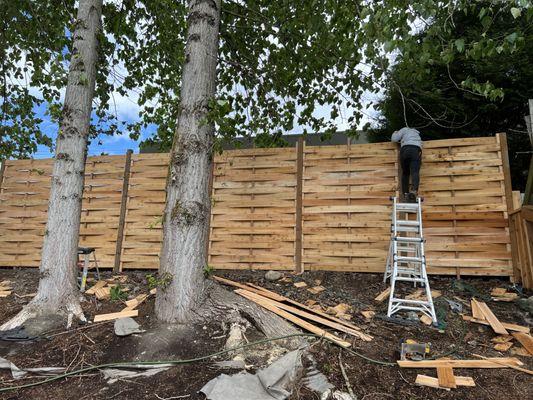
522, 231
303, 208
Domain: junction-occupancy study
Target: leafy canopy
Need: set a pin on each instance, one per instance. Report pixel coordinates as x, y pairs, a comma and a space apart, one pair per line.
278, 61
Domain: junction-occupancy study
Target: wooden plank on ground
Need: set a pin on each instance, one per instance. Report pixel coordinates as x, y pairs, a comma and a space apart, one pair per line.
495, 324
307, 315
446, 377
300, 322
476, 311
383, 295
117, 315
306, 307
511, 327
271, 295
95, 287
525, 340
494, 362
424, 380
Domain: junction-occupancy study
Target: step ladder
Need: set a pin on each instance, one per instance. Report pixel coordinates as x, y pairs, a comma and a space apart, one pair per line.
406, 261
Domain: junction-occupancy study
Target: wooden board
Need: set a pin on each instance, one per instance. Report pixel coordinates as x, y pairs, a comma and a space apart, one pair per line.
300, 322
511, 327
493, 362
495, 324
307, 315
525, 340
424, 380
117, 315
446, 377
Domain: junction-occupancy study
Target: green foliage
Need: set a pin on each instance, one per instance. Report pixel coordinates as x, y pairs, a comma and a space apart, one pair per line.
466, 93
209, 270
159, 280
278, 61
117, 294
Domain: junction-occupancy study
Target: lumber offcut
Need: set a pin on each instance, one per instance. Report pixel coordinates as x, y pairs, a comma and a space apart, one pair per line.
494, 323
525, 340
424, 380
494, 362
117, 315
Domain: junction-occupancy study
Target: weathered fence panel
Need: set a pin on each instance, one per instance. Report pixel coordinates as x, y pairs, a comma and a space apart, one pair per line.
317, 208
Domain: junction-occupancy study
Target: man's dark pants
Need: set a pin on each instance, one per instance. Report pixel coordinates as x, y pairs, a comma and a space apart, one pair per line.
410, 159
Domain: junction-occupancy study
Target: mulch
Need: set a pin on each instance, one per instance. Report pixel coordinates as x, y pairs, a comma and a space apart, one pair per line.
370, 381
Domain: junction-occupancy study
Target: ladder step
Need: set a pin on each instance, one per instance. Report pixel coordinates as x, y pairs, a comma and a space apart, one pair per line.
407, 301
408, 223
404, 239
407, 207
400, 228
408, 279
410, 259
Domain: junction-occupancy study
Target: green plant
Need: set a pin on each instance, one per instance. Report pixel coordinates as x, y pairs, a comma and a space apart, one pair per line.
208, 270
159, 281
117, 294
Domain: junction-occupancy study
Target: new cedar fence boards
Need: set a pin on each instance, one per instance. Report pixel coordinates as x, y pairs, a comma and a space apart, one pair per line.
343, 223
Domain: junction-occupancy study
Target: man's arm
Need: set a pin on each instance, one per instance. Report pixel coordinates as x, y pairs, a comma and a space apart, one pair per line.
397, 136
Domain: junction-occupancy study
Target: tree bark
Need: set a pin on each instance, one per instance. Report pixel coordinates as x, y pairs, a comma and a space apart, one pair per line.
185, 221
58, 291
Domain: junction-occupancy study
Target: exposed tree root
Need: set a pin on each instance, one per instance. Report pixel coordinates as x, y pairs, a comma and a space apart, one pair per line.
222, 303
70, 308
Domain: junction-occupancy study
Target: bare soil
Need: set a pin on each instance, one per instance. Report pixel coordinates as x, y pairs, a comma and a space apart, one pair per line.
97, 344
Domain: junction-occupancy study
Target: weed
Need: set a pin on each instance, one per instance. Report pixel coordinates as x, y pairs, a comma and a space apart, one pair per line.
159, 281
117, 294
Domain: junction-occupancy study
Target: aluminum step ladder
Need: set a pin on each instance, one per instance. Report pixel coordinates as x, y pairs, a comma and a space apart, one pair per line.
406, 261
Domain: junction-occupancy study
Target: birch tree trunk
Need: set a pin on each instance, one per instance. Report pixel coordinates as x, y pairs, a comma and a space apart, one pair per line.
58, 291
187, 210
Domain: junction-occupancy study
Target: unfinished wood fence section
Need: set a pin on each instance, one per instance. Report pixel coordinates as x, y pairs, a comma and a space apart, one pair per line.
24, 193
304, 208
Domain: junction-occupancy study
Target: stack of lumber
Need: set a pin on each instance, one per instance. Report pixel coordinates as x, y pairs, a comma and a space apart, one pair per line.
129, 311
298, 313
501, 294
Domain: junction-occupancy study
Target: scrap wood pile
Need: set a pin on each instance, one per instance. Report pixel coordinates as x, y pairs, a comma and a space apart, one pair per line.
102, 291
298, 313
306, 314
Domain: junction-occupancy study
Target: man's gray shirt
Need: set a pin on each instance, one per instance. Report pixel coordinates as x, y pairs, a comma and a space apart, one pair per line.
407, 136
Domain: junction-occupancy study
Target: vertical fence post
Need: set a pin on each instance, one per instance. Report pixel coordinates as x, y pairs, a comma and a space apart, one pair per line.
298, 248
502, 139
2, 169
211, 193
123, 206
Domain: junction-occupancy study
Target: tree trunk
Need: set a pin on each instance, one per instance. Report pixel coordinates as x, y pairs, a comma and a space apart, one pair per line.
185, 221
58, 291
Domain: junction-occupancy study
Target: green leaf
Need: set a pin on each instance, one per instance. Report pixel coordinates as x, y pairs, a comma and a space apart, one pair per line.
460, 45
516, 12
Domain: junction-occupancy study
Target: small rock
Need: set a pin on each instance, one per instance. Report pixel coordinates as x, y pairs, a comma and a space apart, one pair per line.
273, 276
412, 316
126, 326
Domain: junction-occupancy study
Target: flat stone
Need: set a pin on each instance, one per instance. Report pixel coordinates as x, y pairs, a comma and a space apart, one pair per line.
126, 326
273, 275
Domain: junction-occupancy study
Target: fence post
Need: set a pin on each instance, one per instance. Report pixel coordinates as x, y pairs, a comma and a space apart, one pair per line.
502, 139
2, 169
298, 248
123, 206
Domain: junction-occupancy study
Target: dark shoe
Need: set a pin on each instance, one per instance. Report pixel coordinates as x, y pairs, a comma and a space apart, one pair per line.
411, 197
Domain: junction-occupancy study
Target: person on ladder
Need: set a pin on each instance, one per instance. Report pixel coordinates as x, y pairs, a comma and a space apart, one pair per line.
410, 160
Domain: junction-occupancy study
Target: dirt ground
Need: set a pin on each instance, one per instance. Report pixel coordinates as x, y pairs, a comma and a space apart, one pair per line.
96, 344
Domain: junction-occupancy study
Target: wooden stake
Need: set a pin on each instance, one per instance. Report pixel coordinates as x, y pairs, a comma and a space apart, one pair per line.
123, 207
446, 377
